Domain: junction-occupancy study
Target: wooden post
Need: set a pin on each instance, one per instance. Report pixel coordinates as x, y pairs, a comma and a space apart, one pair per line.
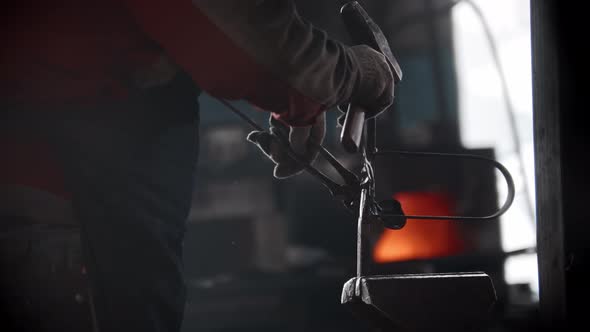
547, 125
560, 133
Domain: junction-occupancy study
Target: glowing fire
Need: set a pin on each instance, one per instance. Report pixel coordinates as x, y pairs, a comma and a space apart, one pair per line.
420, 239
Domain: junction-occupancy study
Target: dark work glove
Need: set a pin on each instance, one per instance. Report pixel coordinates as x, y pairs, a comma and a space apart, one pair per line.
305, 141
374, 89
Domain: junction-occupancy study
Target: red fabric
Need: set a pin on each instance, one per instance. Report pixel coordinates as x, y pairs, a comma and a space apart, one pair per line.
74, 52
62, 52
217, 65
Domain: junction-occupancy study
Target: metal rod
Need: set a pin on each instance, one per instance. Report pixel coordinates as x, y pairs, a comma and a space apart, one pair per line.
348, 176
371, 130
360, 242
496, 164
241, 114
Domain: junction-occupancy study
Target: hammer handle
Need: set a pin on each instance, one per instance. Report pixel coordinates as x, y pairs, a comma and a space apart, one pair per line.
352, 130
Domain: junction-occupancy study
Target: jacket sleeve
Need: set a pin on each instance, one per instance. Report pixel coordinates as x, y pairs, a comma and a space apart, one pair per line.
256, 50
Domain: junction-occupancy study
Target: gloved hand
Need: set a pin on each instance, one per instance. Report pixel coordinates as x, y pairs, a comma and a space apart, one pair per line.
374, 89
305, 141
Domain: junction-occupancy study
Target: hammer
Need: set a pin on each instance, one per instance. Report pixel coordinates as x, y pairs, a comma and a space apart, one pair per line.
362, 30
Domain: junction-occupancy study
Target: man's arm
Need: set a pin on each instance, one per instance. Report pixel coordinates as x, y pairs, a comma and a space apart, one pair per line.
260, 51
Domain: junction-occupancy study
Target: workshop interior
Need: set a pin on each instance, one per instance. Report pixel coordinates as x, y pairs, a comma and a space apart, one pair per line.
263, 254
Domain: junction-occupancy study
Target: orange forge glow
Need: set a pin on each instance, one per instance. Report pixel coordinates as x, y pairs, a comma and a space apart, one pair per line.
420, 239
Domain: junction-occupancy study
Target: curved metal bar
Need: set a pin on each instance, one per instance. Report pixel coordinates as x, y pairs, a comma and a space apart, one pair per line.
507, 176
370, 152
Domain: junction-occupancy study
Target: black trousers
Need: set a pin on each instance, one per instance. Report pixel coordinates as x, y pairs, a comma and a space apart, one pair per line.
130, 168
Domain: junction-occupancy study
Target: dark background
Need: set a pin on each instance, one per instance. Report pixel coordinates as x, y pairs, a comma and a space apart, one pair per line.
269, 255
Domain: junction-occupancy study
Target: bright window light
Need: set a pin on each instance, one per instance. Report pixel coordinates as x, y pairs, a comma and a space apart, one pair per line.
484, 117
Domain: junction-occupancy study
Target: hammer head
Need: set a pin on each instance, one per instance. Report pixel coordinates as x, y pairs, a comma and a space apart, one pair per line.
363, 30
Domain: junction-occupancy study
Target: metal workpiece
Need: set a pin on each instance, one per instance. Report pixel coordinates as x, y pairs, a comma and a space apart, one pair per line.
413, 302
422, 302
389, 212
395, 302
360, 137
